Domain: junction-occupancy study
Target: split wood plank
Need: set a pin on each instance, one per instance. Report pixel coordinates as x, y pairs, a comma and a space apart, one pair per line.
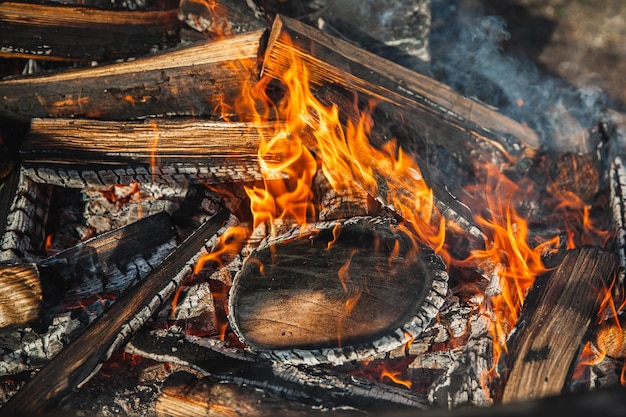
198, 80
65, 32
552, 329
82, 152
78, 360
434, 112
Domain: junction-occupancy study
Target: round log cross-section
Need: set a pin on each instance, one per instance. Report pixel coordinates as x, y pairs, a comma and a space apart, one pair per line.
336, 291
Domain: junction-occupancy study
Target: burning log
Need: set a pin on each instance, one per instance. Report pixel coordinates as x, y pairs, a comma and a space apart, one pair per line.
447, 119
196, 80
80, 153
556, 319
89, 269
77, 362
365, 288
50, 32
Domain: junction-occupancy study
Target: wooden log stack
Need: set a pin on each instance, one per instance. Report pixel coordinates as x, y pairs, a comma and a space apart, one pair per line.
300, 310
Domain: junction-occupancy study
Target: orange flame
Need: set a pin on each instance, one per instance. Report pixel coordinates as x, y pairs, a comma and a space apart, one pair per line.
231, 242
345, 156
507, 245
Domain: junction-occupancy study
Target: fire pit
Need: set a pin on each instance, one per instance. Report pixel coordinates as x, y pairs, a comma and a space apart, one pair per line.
255, 215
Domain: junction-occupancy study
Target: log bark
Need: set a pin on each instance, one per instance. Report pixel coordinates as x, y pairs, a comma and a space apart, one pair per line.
557, 317
82, 153
446, 119
77, 362
365, 288
51, 31
197, 80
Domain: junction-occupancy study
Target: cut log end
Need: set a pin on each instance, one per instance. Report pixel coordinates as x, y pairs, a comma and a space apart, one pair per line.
339, 284
20, 294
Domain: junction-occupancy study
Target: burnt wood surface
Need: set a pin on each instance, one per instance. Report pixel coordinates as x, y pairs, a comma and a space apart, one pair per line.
320, 387
196, 80
83, 152
558, 315
65, 32
446, 118
340, 291
25, 205
77, 361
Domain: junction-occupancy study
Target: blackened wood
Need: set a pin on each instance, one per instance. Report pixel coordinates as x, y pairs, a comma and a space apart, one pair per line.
220, 18
336, 292
321, 387
435, 113
554, 323
76, 362
105, 265
81, 152
196, 80
61, 32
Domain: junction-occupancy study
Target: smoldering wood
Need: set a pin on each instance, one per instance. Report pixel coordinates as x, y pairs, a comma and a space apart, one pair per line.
197, 80
446, 118
50, 32
556, 319
83, 356
83, 153
306, 384
22, 236
464, 381
365, 289
220, 18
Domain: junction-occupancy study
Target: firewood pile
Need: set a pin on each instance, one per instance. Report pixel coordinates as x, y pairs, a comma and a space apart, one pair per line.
232, 208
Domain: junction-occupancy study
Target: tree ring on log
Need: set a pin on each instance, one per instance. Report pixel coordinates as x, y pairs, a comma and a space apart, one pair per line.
336, 291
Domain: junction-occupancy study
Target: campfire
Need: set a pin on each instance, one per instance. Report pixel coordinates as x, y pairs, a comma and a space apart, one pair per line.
233, 210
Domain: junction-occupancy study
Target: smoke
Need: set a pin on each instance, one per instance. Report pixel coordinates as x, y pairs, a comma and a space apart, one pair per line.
467, 50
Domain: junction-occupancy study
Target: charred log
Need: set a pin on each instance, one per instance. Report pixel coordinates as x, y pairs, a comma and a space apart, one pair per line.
78, 361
